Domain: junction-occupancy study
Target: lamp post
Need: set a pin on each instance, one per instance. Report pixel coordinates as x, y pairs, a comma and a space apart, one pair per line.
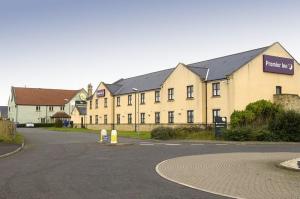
135, 114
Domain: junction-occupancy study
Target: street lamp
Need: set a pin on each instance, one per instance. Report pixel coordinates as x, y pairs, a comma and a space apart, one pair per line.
135, 115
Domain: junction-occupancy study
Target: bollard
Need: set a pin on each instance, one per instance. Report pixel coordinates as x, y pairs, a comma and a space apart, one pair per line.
102, 134
114, 137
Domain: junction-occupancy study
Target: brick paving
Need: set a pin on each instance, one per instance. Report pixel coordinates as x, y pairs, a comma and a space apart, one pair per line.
239, 175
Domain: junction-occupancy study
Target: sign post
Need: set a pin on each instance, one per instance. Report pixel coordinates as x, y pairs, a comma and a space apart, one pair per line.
220, 123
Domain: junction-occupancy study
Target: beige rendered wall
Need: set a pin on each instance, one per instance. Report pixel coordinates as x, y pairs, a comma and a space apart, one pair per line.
101, 110
250, 83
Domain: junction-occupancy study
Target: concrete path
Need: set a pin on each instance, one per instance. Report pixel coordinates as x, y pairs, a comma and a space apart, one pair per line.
239, 175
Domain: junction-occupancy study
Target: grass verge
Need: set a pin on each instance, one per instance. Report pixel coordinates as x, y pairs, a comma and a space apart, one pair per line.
18, 139
127, 134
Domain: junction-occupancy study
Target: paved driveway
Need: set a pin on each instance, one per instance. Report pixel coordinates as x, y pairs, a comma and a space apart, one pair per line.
73, 165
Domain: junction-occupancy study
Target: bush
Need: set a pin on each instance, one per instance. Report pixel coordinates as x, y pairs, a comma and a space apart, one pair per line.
239, 134
286, 126
241, 118
162, 133
58, 124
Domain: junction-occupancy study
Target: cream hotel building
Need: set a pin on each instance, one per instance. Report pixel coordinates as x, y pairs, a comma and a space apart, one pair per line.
192, 94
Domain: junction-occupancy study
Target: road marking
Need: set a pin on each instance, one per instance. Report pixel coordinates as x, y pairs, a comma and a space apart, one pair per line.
146, 144
170, 144
197, 144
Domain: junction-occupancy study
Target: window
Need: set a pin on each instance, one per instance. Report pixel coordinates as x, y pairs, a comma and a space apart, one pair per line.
91, 119
190, 116
216, 112
96, 119
278, 90
142, 98
62, 108
189, 91
91, 105
171, 94
96, 103
142, 118
38, 108
105, 102
171, 117
129, 100
157, 96
43, 120
118, 101
129, 118
51, 108
105, 119
216, 89
157, 117
118, 118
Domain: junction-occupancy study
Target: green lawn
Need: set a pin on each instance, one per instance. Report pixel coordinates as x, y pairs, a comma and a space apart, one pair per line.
128, 134
18, 139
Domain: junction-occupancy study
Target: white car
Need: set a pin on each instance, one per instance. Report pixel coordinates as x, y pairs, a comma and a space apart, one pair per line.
29, 125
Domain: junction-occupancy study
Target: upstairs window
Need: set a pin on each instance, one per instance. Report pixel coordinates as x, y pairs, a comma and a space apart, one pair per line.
62, 108
50, 108
171, 94
91, 105
105, 102
142, 98
38, 108
189, 91
278, 90
129, 100
96, 103
216, 89
157, 96
118, 101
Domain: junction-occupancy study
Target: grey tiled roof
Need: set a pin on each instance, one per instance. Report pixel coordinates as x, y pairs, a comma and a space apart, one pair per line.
219, 68
4, 111
145, 82
213, 69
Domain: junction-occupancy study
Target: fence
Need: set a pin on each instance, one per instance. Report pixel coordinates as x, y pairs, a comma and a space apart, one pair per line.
7, 128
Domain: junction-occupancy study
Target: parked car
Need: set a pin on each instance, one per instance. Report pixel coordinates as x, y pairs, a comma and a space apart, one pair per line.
30, 125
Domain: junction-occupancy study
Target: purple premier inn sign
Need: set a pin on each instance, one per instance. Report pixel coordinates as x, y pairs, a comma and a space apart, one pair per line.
101, 93
278, 65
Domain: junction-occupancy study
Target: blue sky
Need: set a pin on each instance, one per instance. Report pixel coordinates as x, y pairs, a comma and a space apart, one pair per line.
70, 43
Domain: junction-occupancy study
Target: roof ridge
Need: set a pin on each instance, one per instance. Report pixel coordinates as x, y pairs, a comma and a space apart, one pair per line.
147, 73
229, 55
48, 88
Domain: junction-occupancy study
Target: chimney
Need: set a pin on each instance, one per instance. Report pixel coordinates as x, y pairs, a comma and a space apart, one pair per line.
90, 90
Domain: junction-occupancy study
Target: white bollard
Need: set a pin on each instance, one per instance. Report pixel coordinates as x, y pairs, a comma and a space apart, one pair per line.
114, 137
102, 134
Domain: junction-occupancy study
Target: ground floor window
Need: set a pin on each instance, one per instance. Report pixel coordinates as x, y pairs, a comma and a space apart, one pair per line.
105, 119
171, 117
96, 119
43, 120
129, 118
190, 116
118, 118
278, 90
157, 117
142, 118
215, 112
91, 119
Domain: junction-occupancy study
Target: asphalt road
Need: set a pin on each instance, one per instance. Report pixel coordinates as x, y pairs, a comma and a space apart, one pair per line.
73, 165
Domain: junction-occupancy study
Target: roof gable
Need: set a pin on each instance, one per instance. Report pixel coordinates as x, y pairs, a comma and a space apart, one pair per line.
221, 67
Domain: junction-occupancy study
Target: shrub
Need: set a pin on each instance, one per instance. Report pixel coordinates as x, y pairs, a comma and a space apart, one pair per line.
58, 124
162, 133
286, 126
241, 118
239, 134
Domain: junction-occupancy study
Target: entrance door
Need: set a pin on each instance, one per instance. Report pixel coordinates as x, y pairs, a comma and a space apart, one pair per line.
82, 125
